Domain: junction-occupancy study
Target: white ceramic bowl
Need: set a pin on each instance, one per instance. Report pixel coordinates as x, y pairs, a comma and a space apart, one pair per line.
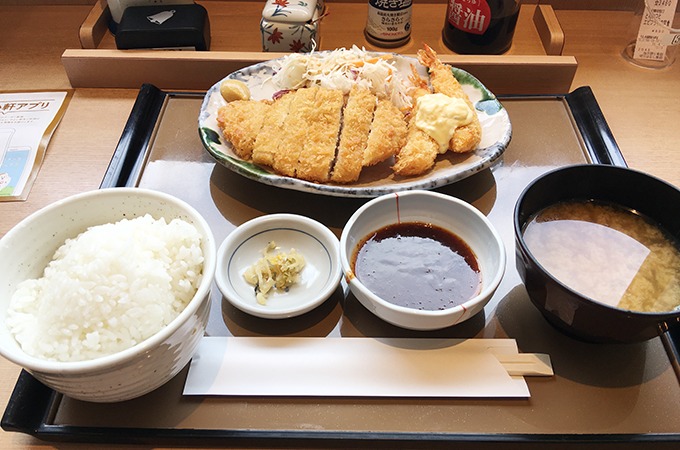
28, 247
243, 247
449, 213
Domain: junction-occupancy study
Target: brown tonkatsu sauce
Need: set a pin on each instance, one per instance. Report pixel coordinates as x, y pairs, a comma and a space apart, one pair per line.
418, 265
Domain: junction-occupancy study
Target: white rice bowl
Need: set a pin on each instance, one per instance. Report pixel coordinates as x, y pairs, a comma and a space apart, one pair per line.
108, 289
123, 317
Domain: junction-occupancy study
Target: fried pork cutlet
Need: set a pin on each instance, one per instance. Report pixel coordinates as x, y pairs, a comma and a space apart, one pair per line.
268, 139
314, 162
295, 127
356, 125
240, 122
388, 133
466, 137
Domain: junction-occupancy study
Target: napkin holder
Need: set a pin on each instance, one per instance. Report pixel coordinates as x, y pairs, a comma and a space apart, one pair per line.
178, 27
291, 27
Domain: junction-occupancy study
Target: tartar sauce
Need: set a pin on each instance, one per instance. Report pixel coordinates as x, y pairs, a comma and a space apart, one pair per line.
439, 115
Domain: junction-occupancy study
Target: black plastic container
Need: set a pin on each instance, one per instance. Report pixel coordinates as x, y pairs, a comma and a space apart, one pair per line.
164, 27
565, 308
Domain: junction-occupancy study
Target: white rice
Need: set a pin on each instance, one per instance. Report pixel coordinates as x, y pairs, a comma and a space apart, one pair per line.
106, 290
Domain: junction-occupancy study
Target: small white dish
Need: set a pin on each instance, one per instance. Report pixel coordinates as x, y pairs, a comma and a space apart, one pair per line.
243, 247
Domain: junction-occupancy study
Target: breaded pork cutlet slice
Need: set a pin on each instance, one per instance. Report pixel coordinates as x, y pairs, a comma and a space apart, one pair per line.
240, 122
295, 128
388, 133
356, 125
314, 163
267, 142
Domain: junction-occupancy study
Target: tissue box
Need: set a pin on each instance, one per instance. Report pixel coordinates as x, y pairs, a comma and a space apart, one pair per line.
290, 27
169, 26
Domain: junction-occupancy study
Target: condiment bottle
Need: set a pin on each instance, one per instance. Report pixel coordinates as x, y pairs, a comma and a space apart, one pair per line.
388, 23
480, 26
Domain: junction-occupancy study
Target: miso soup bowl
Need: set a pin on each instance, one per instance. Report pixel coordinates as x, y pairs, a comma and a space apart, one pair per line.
566, 309
449, 213
28, 248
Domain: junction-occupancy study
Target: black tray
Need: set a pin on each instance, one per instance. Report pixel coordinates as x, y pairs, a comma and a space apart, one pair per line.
32, 407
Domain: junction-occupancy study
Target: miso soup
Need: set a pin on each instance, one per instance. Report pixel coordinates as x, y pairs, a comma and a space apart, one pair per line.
607, 253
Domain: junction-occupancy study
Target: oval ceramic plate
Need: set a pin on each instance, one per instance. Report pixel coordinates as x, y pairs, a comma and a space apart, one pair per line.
376, 180
244, 246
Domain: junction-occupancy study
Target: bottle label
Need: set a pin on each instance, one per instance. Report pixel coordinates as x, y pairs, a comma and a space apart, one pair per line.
471, 16
389, 19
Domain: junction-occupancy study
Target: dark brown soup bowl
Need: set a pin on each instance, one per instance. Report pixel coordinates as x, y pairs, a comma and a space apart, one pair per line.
565, 308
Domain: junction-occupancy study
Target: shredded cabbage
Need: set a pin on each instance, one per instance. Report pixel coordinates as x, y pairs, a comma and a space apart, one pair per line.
343, 68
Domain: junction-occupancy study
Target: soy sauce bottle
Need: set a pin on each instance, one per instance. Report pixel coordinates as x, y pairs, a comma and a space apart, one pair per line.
480, 26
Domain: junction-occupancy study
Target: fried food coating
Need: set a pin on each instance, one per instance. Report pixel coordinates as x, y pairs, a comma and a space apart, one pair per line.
320, 135
417, 156
240, 122
467, 137
267, 141
419, 153
388, 133
356, 125
314, 162
296, 126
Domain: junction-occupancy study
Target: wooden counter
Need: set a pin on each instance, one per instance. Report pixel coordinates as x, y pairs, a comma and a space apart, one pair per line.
640, 105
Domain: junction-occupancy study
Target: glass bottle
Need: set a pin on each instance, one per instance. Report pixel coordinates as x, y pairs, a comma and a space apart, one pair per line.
480, 26
388, 23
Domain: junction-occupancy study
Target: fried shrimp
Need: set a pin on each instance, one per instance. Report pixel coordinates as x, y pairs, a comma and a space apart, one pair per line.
467, 137
418, 155
420, 151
